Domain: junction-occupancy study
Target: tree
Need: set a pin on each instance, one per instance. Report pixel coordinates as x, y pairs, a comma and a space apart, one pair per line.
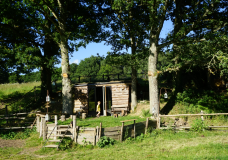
89, 66
59, 21
128, 33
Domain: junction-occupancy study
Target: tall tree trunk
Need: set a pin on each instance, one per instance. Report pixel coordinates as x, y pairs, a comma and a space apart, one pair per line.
133, 88
133, 78
66, 83
153, 81
45, 81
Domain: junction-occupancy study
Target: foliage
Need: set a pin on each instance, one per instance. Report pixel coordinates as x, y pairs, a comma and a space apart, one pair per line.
206, 100
105, 141
146, 113
18, 135
198, 125
66, 144
89, 66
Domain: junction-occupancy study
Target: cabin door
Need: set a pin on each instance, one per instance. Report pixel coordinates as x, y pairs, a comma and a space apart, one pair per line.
92, 100
107, 99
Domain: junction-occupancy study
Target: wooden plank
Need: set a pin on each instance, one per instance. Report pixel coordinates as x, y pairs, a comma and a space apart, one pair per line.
111, 133
179, 115
86, 128
85, 136
114, 106
112, 129
116, 137
52, 146
15, 127
120, 109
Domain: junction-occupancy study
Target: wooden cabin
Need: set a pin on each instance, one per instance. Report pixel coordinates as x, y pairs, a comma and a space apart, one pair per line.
114, 97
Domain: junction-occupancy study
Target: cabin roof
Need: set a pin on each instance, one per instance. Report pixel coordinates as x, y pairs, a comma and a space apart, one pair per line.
101, 83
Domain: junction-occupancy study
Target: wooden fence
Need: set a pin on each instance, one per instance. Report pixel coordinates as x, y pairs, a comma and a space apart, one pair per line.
202, 114
91, 135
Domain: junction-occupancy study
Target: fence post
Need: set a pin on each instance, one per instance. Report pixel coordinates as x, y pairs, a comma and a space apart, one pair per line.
97, 135
158, 121
134, 129
44, 128
202, 115
56, 124
147, 123
37, 123
41, 127
74, 127
6, 113
121, 135
100, 130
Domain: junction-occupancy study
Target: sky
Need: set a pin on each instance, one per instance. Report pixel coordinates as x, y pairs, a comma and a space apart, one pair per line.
102, 49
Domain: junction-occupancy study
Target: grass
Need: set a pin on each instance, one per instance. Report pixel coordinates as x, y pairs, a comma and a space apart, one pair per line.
158, 145
106, 121
7, 90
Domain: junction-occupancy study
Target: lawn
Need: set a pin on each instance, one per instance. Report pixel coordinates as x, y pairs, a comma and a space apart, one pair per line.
157, 145
106, 121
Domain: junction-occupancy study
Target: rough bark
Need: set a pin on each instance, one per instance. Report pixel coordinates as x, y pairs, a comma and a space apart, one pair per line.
133, 78
45, 81
134, 89
66, 83
153, 81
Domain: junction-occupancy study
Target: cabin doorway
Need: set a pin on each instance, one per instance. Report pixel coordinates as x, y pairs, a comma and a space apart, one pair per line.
99, 97
102, 94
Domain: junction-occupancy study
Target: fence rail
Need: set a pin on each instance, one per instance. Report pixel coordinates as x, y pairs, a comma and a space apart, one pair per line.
185, 115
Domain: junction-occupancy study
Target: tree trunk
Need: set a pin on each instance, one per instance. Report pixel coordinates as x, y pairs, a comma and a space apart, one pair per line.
66, 83
133, 77
153, 81
134, 89
45, 81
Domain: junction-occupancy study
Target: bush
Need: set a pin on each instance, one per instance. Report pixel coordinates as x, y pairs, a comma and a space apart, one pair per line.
208, 101
17, 135
146, 113
198, 125
105, 141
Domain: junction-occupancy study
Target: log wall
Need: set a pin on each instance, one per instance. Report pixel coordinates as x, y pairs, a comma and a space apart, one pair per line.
120, 94
81, 99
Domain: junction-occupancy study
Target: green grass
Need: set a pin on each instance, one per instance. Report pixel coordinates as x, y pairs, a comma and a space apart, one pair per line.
8, 90
107, 121
159, 145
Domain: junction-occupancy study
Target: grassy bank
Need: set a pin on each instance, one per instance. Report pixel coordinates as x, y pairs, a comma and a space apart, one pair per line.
7, 90
158, 145
106, 121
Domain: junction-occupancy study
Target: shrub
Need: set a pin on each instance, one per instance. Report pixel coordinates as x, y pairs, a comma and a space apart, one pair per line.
198, 125
17, 135
105, 141
146, 113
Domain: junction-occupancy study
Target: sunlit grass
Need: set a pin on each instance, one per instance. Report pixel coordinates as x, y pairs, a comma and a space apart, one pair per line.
7, 89
159, 145
107, 121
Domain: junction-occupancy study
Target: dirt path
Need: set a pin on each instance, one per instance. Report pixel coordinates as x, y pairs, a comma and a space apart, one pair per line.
12, 143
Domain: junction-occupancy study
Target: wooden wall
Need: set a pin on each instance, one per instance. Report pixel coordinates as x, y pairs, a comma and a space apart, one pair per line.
120, 94
81, 99
128, 130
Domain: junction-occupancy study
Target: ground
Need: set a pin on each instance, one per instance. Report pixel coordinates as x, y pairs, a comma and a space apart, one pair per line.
12, 143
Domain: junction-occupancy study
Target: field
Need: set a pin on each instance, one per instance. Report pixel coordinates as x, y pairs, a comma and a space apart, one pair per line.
158, 144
